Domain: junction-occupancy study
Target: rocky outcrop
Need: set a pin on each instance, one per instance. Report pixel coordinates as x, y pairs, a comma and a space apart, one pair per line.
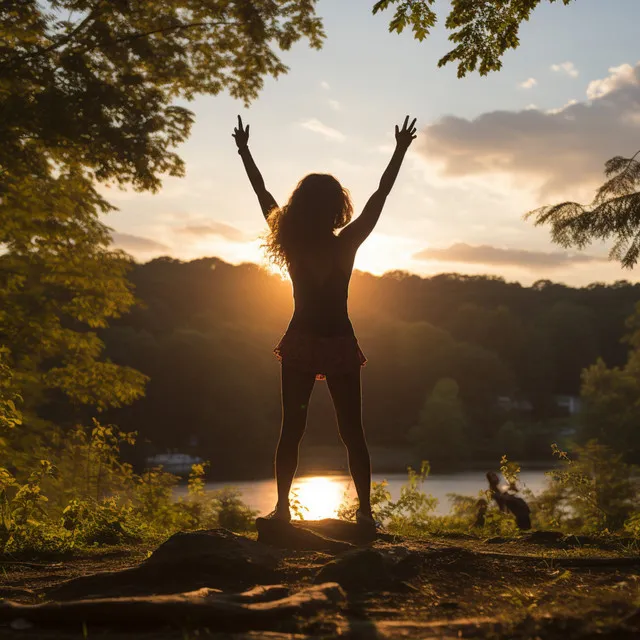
187, 561
297, 537
328, 535
369, 569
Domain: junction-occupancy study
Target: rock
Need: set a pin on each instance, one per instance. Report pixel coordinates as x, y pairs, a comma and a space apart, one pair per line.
496, 540
218, 547
224, 612
297, 536
186, 561
361, 569
371, 569
543, 537
343, 530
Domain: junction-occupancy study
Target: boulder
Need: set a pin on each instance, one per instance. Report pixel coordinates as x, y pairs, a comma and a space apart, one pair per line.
214, 558
328, 535
368, 569
341, 530
297, 536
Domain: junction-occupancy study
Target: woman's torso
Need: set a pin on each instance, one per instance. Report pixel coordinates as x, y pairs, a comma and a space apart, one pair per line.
320, 290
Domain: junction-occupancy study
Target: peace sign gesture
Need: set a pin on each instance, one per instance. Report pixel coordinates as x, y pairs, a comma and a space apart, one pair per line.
406, 135
241, 134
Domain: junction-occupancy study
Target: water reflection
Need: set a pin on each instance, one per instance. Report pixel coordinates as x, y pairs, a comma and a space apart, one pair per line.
320, 496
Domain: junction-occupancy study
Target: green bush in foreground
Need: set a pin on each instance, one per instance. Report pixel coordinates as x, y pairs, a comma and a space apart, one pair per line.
82, 495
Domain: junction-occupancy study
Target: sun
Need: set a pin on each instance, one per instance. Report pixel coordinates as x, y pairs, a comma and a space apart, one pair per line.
321, 495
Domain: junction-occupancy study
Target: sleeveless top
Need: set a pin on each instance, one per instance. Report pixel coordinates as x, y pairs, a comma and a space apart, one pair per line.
320, 307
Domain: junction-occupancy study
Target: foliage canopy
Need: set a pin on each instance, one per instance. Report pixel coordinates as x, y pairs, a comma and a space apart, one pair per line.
481, 31
88, 92
613, 214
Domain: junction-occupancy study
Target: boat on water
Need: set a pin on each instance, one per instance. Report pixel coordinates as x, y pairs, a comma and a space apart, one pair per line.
178, 463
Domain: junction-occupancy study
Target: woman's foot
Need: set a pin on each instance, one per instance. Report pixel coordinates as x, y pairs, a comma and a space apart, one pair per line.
282, 514
366, 520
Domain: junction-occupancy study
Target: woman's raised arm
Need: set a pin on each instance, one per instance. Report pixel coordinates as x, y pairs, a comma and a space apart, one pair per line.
266, 200
357, 231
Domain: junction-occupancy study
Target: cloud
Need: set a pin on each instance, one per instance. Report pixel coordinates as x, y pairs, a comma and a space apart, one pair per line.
528, 84
563, 107
620, 76
129, 242
313, 124
565, 67
489, 255
214, 229
325, 85
550, 152
335, 105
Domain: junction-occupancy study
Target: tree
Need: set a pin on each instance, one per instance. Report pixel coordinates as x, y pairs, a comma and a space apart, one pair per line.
613, 214
91, 83
87, 93
440, 434
611, 397
482, 31
572, 344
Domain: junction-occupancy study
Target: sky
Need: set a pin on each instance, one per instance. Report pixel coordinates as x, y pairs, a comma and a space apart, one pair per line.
489, 149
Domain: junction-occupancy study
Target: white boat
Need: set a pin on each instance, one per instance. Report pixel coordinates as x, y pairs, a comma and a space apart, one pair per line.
178, 463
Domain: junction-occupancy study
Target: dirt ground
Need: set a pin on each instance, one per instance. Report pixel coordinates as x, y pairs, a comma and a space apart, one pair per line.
467, 588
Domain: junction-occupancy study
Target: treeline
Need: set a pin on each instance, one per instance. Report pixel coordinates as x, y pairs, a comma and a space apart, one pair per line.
204, 332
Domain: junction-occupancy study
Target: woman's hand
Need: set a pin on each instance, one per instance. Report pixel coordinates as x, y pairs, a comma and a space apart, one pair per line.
406, 135
241, 135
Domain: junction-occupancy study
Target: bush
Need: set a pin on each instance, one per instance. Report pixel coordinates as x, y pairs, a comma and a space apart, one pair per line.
593, 492
82, 494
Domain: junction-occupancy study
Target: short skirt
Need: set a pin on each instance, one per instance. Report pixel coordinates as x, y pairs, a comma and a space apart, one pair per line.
319, 354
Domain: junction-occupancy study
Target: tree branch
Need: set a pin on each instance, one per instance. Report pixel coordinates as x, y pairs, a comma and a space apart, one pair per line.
129, 37
628, 164
136, 36
64, 40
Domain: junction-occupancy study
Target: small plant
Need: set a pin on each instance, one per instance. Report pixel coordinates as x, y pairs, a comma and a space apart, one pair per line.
296, 507
25, 527
414, 508
380, 497
231, 512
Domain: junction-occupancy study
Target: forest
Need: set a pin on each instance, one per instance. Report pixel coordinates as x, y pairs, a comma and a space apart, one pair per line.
203, 332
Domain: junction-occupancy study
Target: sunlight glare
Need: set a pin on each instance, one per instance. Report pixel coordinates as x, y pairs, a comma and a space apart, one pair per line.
321, 495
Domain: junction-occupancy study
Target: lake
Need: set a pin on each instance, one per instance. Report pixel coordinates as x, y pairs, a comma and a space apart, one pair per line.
322, 494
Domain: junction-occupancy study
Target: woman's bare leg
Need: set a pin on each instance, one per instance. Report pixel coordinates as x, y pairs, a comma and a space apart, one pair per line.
347, 400
296, 391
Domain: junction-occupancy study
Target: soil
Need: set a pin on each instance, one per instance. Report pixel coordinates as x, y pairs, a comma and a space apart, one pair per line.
540, 585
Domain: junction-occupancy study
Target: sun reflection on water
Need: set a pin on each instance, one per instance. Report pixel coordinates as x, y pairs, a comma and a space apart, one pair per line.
321, 495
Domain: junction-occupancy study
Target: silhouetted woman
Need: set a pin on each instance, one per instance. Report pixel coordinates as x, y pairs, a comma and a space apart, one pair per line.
313, 237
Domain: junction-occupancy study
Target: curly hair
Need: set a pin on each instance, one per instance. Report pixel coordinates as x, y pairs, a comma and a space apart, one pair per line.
318, 206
